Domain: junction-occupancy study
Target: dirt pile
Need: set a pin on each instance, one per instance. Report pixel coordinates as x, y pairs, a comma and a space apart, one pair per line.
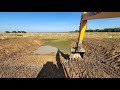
15, 57
101, 60
12, 47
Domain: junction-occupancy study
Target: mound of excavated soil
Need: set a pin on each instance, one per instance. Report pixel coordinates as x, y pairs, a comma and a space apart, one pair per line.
17, 59
101, 60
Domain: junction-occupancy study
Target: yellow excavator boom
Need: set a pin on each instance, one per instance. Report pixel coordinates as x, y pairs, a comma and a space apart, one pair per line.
93, 15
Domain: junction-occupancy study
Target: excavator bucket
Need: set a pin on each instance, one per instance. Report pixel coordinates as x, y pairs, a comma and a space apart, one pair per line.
76, 51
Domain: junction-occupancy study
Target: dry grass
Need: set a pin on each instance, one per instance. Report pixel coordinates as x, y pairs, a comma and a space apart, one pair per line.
60, 35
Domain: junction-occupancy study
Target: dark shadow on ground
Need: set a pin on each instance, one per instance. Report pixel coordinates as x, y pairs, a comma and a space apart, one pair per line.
51, 70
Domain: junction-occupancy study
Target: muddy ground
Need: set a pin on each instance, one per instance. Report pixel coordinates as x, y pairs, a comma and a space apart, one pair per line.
17, 60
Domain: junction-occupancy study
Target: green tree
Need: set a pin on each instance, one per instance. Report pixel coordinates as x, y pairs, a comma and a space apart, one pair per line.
23, 31
14, 31
7, 32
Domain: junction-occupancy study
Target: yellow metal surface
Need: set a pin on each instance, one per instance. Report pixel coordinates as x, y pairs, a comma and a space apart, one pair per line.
83, 27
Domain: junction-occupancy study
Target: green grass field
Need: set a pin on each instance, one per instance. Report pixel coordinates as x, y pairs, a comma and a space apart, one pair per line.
63, 44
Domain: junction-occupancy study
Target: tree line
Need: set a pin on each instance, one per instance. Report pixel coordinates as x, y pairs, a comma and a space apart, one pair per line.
101, 30
16, 32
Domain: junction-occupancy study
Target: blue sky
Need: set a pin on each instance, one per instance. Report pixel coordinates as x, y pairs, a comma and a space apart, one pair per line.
50, 21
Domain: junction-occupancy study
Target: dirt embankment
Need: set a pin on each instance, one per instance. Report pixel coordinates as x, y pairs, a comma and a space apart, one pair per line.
12, 47
101, 60
15, 56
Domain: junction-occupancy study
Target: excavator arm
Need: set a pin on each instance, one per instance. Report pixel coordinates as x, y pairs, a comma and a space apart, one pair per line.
83, 25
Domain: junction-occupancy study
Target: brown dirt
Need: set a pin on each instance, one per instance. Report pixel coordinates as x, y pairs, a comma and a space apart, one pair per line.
17, 60
101, 60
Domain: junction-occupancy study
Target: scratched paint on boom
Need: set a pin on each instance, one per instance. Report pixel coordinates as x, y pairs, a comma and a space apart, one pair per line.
92, 13
89, 14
